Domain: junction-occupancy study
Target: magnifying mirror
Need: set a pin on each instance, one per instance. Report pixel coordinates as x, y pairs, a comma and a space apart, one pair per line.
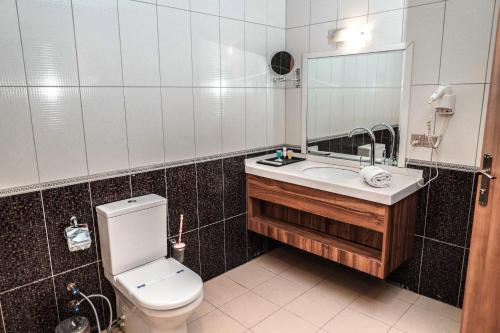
282, 63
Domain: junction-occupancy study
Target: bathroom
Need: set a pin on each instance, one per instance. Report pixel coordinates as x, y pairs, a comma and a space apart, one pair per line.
110, 109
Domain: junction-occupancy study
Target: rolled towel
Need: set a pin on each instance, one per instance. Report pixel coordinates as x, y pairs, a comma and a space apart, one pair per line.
375, 176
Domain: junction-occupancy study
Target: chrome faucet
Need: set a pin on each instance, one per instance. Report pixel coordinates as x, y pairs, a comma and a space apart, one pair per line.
372, 138
393, 138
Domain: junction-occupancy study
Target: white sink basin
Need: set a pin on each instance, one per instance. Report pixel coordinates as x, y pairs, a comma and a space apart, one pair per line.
329, 173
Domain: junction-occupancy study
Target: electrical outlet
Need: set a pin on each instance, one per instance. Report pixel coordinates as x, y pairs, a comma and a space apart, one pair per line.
424, 140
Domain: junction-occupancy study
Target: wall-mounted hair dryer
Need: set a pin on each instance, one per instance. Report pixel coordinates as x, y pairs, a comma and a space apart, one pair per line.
443, 101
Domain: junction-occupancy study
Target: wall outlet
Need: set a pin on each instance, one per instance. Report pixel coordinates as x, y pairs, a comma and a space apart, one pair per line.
424, 140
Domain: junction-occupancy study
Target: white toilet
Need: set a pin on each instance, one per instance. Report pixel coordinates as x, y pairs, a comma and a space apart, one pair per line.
153, 294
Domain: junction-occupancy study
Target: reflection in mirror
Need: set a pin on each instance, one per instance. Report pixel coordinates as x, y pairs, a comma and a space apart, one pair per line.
347, 91
282, 63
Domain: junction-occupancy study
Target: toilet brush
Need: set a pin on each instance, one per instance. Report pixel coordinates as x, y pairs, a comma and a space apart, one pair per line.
179, 247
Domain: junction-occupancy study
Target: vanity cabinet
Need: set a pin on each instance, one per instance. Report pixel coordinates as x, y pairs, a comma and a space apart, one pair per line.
370, 237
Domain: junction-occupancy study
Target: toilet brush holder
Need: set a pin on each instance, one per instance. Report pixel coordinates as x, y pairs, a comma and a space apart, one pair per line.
178, 250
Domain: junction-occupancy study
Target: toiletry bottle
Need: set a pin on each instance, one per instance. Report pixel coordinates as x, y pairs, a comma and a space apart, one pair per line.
290, 154
284, 153
279, 154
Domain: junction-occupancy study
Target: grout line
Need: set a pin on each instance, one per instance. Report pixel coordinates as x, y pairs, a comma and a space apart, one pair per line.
50, 255
159, 78
2, 318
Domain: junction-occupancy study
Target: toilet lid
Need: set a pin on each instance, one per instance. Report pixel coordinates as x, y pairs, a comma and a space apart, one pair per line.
163, 284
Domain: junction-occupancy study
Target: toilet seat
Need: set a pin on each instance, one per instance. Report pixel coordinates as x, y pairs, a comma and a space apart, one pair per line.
164, 284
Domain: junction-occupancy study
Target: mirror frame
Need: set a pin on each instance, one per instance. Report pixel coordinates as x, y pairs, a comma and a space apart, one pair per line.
404, 108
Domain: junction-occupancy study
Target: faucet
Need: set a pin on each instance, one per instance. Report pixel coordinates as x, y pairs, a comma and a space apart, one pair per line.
393, 138
372, 138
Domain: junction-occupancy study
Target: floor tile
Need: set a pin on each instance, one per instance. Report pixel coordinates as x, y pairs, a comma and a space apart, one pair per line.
389, 310
284, 321
202, 310
350, 321
280, 291
221, 290
395, 330
272, 263
215, 322
302, 276
249, 309
439, 308
386, 290
249, 275
341, 292
316, 307
418, 320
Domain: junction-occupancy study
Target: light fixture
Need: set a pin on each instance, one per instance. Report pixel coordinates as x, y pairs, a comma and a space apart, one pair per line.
349, 37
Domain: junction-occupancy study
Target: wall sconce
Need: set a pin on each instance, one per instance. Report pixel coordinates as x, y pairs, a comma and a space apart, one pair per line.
351, 37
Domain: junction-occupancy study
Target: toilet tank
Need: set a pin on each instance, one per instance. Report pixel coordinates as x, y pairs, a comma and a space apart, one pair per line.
132, 232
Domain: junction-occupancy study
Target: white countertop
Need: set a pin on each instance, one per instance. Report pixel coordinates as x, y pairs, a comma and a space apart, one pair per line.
404, 181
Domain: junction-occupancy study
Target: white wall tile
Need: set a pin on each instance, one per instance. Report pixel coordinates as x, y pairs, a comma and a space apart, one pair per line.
232, 36
351, 8
256, 117
293, 116
256, 11
178, 123
410, 3
297, 43
276, 116
376, 6
98, 42
493, 42
275, 43
139, 40
467, 113
479, 151
17, 147
424, 27
182, 4
276, 13
105, 129
466, 40
11, 57
297, 13
58, 130
419, 114
144, 126
205, 6
386, 28
323, 11
233, 119
206, 50
48, 42
255, 55
318, 35
207, 120
233, 9
174, 29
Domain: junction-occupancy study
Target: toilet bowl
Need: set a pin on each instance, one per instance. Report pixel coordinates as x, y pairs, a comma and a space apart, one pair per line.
154, 294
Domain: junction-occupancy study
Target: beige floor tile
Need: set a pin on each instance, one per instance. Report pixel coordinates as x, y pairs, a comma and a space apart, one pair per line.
283, 321
280, 291
418, 320
250, 275
316, 307
202, 310
272, 263
439, 308
395, 330
221, 290
249, 309
215, 322
388, 310
305, 277
341, 292
350, 321
386, 290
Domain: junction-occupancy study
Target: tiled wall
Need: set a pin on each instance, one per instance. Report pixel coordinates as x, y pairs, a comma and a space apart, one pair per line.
453, 45
35, 264
94, 86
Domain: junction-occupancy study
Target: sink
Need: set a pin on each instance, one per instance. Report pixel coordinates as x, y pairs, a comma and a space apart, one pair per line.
329, 173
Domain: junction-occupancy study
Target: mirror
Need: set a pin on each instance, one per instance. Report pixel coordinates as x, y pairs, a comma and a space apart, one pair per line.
348, 90
282, 63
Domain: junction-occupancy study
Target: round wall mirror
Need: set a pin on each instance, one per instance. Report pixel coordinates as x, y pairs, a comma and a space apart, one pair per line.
282, 63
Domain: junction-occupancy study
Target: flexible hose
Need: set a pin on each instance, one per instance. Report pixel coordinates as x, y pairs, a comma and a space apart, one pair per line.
93, 308
110, 308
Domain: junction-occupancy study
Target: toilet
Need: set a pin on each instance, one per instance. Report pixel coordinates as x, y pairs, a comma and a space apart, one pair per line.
154, 294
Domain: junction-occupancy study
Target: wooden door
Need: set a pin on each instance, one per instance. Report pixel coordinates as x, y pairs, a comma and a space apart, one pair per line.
481, 310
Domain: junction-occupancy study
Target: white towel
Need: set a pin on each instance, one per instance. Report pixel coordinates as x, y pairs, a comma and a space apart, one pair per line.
375, 176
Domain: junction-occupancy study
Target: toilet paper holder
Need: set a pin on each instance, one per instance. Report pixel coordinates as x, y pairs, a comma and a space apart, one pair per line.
77, 235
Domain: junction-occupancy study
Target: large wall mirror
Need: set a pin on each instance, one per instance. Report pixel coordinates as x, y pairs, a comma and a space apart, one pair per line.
347, 89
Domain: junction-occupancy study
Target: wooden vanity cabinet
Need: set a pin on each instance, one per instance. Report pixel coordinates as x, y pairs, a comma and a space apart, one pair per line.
367, 236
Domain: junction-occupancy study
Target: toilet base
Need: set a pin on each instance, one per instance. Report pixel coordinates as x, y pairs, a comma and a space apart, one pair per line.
141, 320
